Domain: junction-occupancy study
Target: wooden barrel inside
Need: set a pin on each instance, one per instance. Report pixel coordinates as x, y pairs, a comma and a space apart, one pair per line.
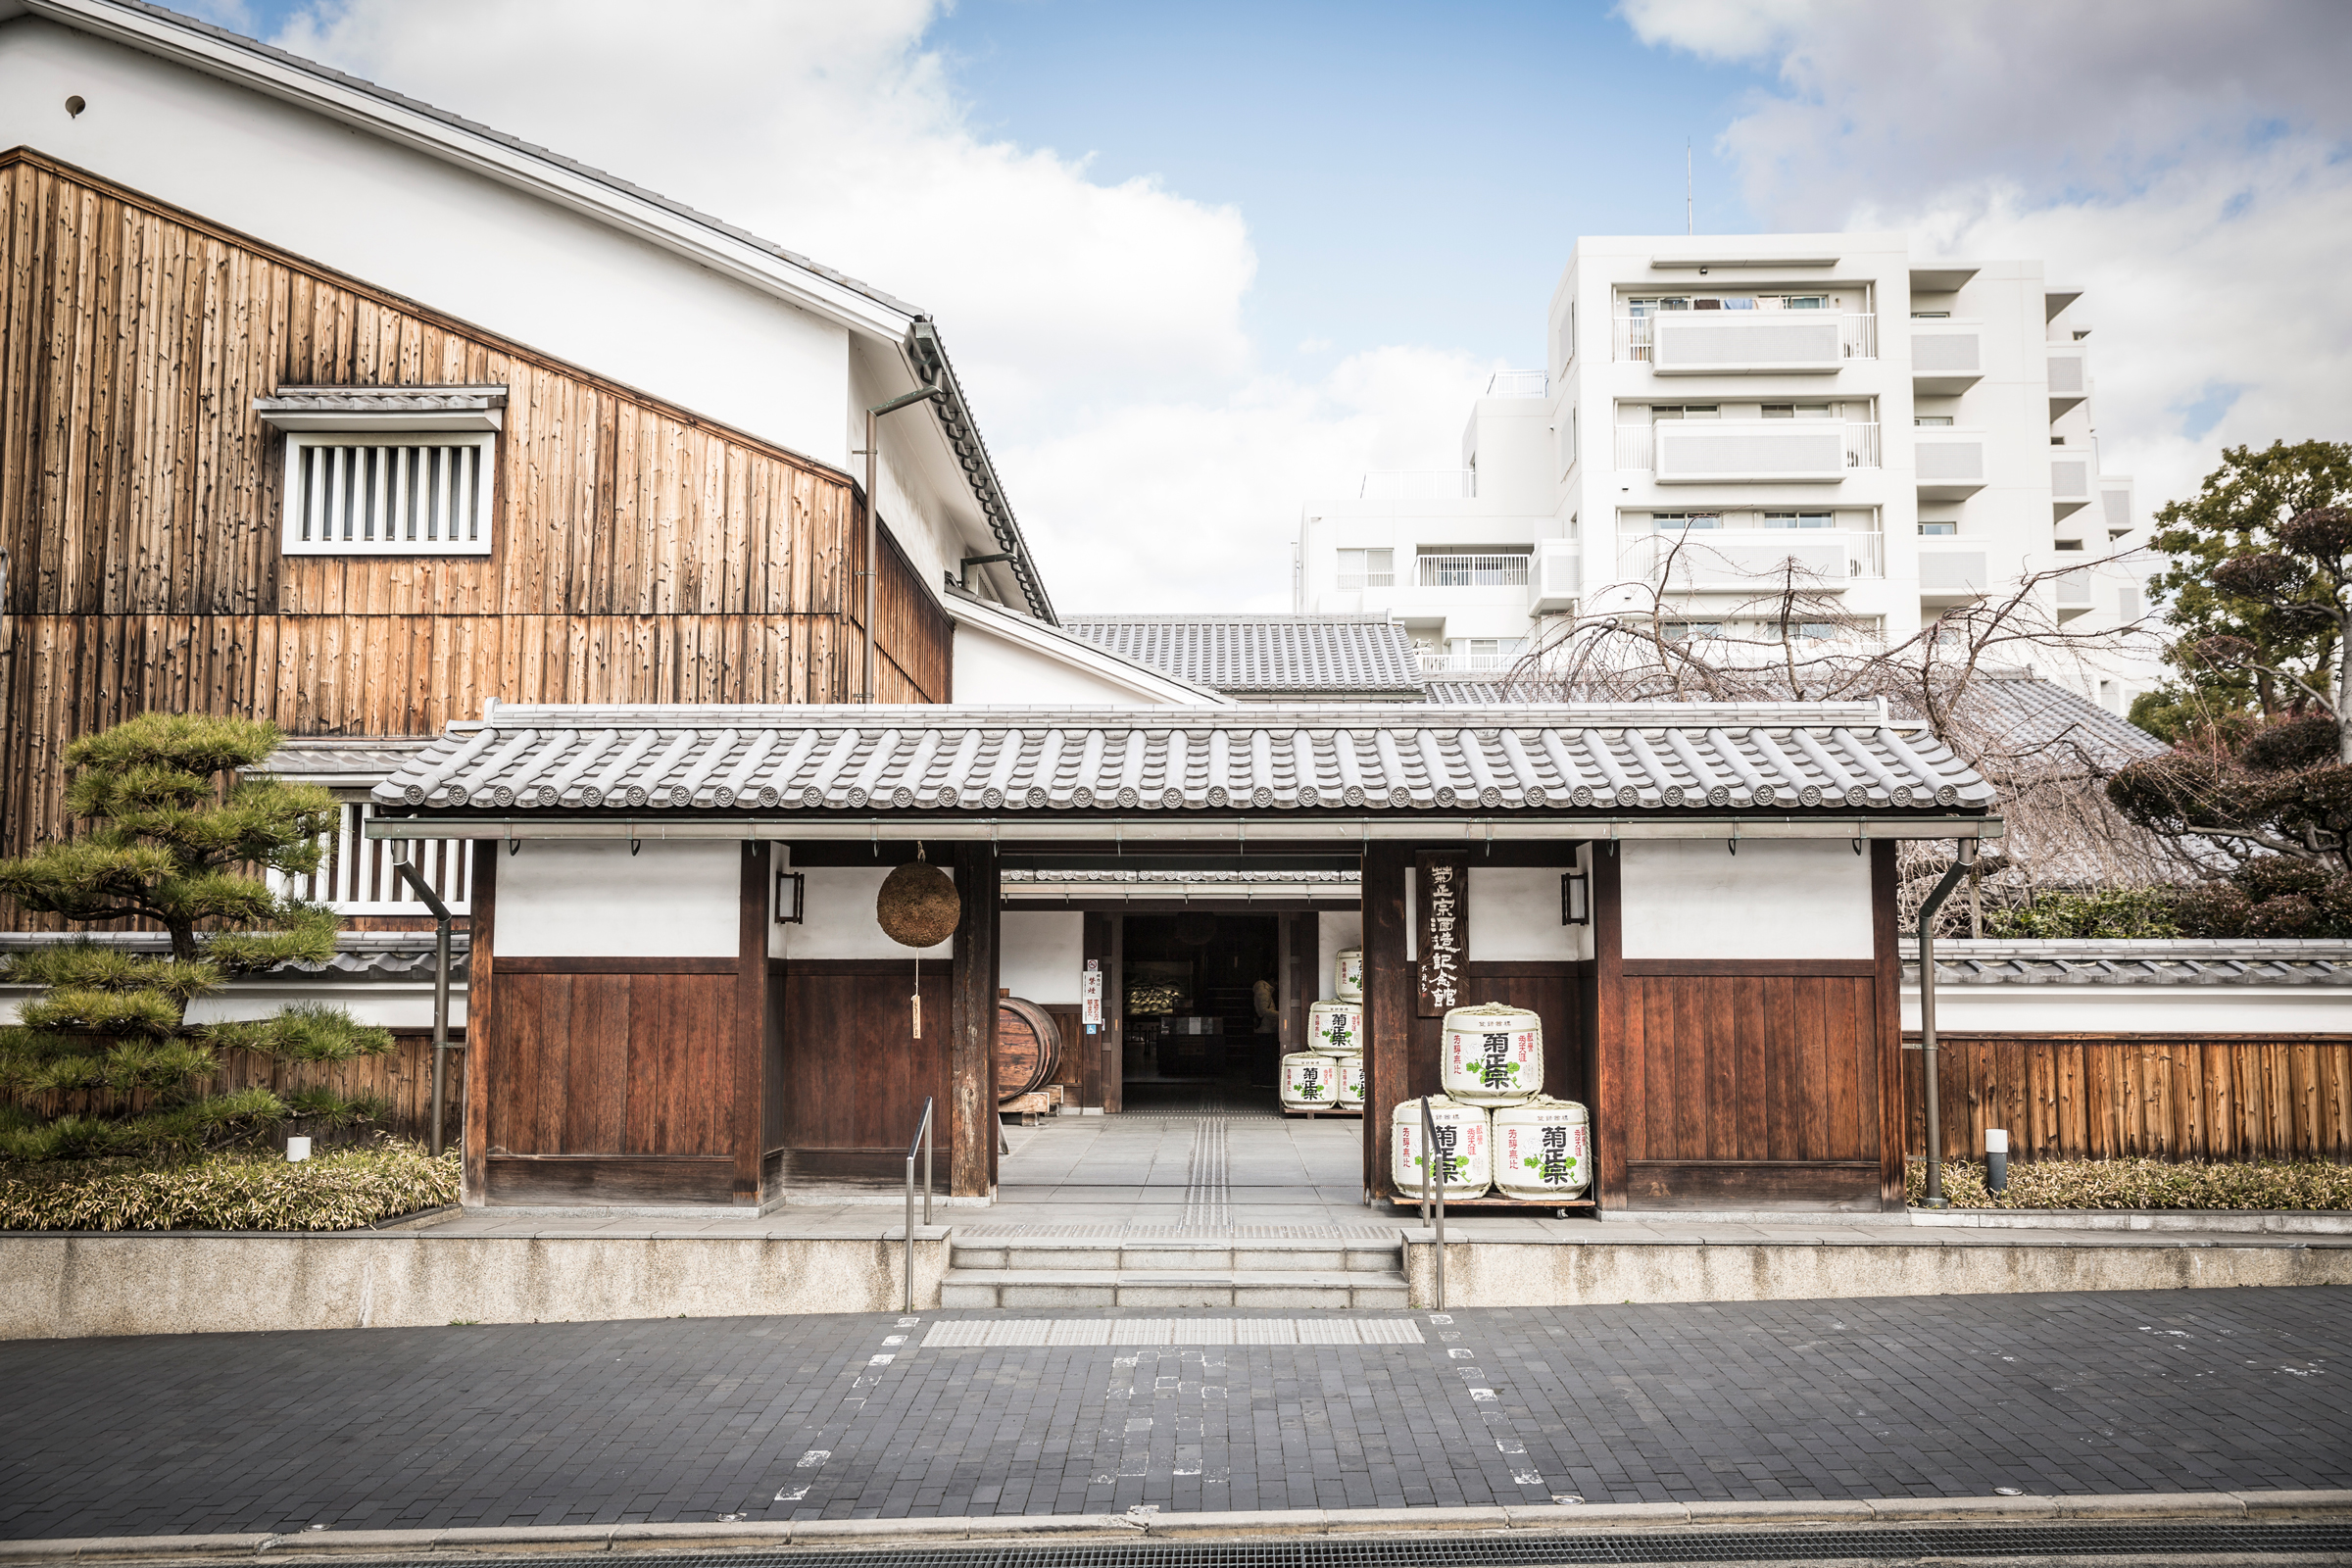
1028, 1047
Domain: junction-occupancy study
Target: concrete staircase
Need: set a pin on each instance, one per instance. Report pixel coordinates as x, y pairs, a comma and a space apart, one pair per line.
1044, 1271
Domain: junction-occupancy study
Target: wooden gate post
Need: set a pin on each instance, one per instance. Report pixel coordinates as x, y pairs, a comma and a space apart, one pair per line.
971, 1109
1389, 1001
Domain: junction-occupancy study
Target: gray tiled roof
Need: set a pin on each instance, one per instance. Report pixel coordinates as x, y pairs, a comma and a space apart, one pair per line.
1294, 757
340, 759
2096, 962
1333, 656
2041, 714
358, 955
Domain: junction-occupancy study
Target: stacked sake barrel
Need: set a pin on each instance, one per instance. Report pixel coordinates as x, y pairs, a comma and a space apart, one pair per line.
1495, 1125
1329, 1074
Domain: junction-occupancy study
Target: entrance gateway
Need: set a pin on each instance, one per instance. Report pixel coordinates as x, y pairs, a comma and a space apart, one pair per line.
652, 1025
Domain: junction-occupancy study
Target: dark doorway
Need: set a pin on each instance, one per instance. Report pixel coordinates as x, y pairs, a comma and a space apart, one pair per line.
1203, 995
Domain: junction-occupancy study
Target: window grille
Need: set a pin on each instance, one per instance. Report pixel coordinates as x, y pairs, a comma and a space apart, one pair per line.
411, 492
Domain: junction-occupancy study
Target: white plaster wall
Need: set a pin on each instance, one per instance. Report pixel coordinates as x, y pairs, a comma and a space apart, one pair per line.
1336, 930
993, 670
591, 898
1041, 955
385, 1003
839, 920
2136, 1009
1776, 899
1515, 914
452, 240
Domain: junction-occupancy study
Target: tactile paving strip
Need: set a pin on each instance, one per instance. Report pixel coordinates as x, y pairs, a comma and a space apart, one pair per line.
966, 1332
1186, 1233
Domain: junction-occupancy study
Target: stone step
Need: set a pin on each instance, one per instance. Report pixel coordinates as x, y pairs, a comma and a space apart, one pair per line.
1173, 1287
1129, 1255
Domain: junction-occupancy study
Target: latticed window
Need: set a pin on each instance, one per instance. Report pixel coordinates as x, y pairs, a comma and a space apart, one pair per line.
388, 470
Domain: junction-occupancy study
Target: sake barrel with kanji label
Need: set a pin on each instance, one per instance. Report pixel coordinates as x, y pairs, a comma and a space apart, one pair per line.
1336, 1027
1465, 1149
1311, 1081
1348, 975
1543, 1148
1351, 1082
1491, 1054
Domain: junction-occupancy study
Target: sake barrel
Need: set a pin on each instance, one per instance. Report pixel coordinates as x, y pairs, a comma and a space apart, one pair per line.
1491, 1054
1028, 1047
1348, 975
1351, 1082
1336, 1027
1543, 1148
1311, 1081
1465, 1149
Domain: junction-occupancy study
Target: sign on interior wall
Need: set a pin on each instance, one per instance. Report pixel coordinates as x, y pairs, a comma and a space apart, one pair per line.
1442, 906
1091, 996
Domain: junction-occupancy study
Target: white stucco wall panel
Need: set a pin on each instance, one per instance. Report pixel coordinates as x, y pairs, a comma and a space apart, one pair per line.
451, 239
1515, 914
1040, 954
591, 898
995, 671
2134, 1010
1335, 931
838, 920
1776, 899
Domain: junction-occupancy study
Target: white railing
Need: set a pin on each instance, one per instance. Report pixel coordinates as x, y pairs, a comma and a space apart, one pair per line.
1517, 384
354, 875
1757, 450
1465, 663
1857, 332
1755, 561
1419, 485
1352, 581
1470, 571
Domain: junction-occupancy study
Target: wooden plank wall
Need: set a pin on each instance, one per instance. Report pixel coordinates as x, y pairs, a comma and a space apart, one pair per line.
2081, 1096
642, 554
853, 1078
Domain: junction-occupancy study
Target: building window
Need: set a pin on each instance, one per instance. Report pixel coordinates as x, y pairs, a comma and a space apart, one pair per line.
398, 470
1931, 316
1682, 631
1668, 411
1797, 411
1367, 568
2070, 544
1675, 521
1799, 519
1935, 421
1805, 302
1938, 528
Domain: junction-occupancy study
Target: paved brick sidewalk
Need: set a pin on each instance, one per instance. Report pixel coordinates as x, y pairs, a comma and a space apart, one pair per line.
849, 1416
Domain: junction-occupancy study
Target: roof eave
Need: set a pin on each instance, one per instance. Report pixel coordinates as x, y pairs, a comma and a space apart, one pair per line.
930, 354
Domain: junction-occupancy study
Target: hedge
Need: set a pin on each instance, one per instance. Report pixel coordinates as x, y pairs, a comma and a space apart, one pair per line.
342, 1190
2143, 1184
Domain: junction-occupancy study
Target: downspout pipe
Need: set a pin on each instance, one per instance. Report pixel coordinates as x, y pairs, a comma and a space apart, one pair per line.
873, 421
441, 918
1967, 849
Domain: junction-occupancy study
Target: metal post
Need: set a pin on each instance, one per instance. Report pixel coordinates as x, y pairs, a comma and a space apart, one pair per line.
1931, 1090
441, 917
1433, 1192
927, 1140
921, 1141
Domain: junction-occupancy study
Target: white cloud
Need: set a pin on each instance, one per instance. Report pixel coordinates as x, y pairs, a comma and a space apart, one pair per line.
2183, 163
1098, 325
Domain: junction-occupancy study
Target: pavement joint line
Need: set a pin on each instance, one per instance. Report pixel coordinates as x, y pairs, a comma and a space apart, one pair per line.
553, 1540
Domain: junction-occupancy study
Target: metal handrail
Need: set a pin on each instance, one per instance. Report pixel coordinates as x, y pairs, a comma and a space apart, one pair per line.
1433, 1192
921, 1140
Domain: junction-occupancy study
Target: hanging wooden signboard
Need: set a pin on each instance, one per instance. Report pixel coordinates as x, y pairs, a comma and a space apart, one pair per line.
1442, 934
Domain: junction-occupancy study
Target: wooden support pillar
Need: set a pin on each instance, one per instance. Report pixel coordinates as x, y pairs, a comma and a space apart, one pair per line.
482, 1054
1104, 942
1886, 952
745, 1074
1389, 1002
970, 1126
1610, 1108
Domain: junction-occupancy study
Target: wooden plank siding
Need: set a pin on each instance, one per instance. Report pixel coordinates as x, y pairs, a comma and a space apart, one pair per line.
2099, 1097
641, 554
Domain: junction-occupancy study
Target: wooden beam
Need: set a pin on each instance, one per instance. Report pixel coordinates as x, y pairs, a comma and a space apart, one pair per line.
745, 1074
1391, 988
970, 1130
481, 1029
1885, 938
1610, 1113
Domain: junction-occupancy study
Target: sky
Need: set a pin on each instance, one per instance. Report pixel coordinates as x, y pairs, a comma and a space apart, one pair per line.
1199, 264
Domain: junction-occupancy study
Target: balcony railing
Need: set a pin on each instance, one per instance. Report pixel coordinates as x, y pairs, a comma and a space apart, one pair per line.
1747, 342
1757, 451
1517, 384
1470, 571
1419, 485
1465, 663
1355, 581
1755, 561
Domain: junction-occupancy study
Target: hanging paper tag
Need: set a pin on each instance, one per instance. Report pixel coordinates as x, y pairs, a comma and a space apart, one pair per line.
917, 1000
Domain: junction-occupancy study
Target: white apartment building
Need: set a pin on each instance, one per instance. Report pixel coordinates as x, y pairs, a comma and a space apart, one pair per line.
1914, 436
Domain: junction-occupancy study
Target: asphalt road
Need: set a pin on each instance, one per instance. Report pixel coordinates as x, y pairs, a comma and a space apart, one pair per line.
838, 1417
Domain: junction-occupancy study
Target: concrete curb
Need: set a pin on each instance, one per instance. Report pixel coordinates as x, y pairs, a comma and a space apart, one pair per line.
556, 1540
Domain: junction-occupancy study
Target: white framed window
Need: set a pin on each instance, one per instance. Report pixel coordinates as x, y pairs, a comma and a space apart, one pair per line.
1797, 411
1367, 568
1938, 528
1678, 522
392, 494
1799, 519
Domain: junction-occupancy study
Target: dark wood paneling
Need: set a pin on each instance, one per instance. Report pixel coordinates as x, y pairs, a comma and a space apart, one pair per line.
1104, 945
606, 1179
482, 1017
2157, 1097
742, 1118
537, 964
612, 1064
1391, 993
1549, 990
855, 1076
1886, 998
1850, 1186
1656, 968
971, 1021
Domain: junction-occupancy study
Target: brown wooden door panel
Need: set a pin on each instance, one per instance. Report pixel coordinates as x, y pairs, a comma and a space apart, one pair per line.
595, 1100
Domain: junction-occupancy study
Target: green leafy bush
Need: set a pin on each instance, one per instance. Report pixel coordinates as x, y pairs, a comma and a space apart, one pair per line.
2122, 913
2143, 1184
335, 1192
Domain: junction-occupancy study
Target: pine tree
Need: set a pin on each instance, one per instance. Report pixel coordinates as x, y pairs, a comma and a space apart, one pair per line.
169, 842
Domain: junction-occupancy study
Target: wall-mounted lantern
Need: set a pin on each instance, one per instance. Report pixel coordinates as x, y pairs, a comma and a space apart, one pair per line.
1576, 899
791, 893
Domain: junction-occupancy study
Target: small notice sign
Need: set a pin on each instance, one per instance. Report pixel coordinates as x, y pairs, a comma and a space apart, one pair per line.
1091, 995
1442, 900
